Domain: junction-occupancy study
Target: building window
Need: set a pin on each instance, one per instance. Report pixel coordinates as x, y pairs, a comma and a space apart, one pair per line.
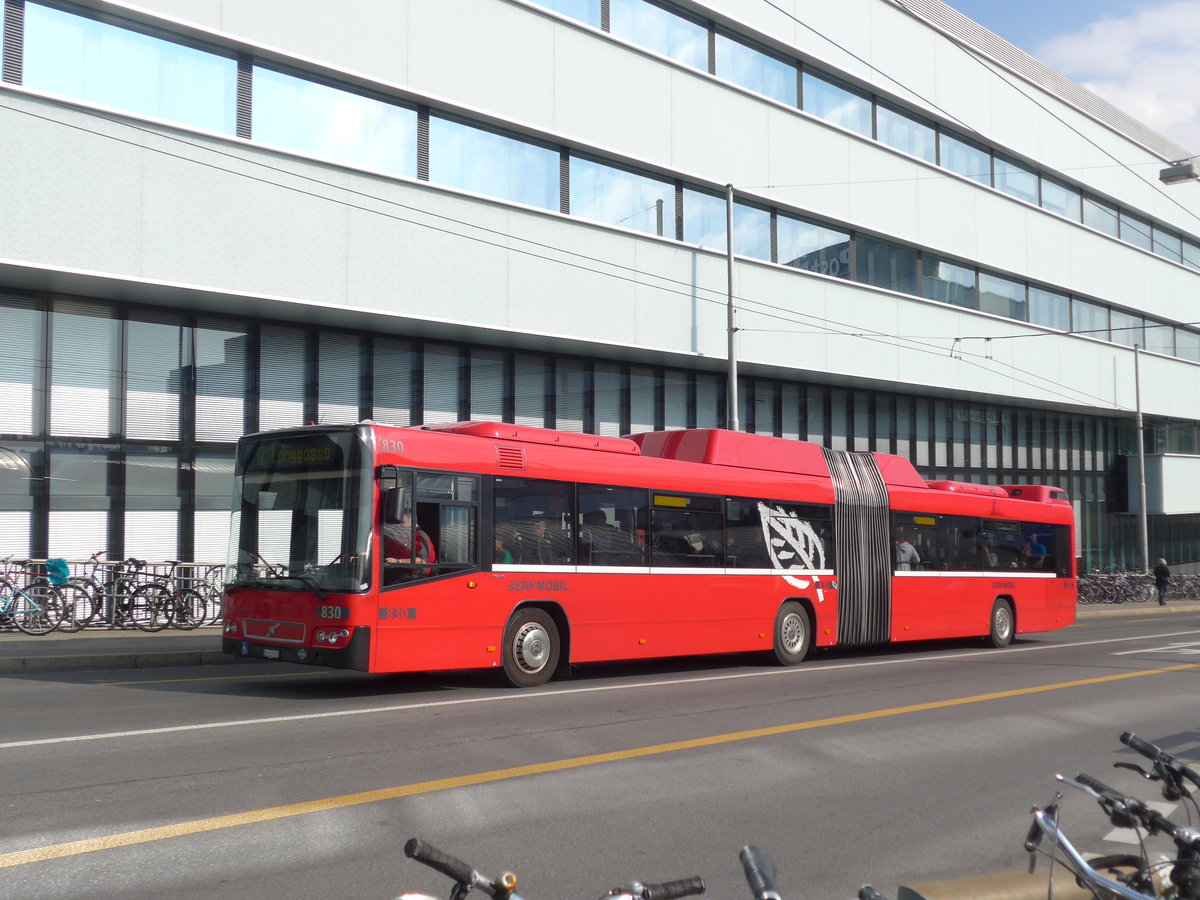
886, 265
755, 70
24, 329
334, 124
948, 282
1187, 344
392, 365
1016, 180
1089, 319
1160, 338
571, 396
609, 396
85, 369
1127, 329
471, 159
338, 362
1101, 216
1049, 309
282, 378
110, 66
1168, 244
443, 369
1002, 296
967, 159
1191, 255
649, 25
220, 380
1135, 230
837, 104
529, 389
905, 133
704, 219
620, 197
815, 248
1058, 198
487, 384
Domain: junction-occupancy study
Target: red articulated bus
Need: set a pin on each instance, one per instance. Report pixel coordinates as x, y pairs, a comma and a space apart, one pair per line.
485, 545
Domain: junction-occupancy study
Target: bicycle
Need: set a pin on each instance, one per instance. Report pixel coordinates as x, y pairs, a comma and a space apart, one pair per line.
161, 602
35, 607
108, 599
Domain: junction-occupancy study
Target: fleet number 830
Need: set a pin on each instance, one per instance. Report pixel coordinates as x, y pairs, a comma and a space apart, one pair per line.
333, 612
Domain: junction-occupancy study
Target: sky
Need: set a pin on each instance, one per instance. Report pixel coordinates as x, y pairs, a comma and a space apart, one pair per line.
1143, 56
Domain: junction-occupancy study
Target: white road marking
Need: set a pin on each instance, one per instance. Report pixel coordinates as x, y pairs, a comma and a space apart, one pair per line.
569, 692
1186, 648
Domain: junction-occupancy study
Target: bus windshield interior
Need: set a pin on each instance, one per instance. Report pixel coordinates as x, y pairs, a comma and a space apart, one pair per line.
302, 514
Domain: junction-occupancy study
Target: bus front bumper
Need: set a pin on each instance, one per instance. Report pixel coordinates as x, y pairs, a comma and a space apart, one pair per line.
356, 654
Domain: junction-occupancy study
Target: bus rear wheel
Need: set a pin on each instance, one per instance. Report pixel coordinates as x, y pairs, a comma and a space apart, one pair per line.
1001, 634
793, 634
531, 648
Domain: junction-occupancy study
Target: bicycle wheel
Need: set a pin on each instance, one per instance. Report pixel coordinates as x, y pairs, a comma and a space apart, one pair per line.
37, 609
214, 603
188, 610
79, 607
150, 607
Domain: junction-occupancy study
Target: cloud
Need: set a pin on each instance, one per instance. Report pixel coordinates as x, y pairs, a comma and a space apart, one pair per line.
1145, 64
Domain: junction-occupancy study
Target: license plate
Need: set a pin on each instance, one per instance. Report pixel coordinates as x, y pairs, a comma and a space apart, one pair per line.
270, 653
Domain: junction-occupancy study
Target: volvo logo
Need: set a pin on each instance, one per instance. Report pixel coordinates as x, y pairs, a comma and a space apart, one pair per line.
271, 631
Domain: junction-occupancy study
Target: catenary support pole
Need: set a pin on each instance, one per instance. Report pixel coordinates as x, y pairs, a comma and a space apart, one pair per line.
734, 425
1143, 523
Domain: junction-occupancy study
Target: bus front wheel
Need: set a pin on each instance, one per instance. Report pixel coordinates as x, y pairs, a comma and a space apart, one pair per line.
531, 648
792, 634
1001, 634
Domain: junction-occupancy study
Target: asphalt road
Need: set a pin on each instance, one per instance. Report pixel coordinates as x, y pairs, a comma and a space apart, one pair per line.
892, 766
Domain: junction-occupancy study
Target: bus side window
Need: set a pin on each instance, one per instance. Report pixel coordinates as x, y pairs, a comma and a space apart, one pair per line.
608, 518
745, 545
536, 520
687, 531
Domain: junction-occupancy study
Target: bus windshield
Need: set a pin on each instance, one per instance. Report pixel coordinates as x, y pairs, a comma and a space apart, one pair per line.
302, 514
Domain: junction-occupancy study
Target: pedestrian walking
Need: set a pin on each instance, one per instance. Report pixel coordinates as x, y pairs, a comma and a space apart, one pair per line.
1162, 578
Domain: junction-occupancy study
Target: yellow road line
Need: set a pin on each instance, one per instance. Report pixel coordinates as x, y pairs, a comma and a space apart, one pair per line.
252, 817
217, 678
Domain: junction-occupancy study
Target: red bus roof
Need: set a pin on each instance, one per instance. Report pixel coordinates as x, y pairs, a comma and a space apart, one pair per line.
706, 460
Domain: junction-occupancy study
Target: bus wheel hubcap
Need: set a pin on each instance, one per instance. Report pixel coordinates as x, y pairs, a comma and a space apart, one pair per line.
1003, 623
792, 633
531, 647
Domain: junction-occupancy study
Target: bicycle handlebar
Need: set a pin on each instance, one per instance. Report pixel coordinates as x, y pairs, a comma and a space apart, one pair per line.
1125, 811
453, 867
1168, 766
450, 866
760, 873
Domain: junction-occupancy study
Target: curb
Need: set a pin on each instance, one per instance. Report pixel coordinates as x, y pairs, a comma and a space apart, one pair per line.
82, 662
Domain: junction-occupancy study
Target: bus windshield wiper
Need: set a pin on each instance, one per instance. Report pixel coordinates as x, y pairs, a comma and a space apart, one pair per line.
311, 583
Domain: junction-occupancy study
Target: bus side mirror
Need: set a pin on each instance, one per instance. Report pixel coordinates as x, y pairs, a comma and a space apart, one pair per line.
389, 479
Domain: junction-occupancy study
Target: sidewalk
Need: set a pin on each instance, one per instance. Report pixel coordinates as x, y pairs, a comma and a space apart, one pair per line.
103, 649
129, 649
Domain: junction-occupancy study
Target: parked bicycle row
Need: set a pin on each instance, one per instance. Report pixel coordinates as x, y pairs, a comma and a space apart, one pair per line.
41, 596
1134, 587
